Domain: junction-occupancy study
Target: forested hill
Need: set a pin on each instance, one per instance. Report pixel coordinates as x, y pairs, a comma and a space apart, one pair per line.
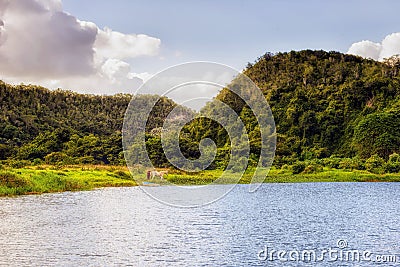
36, 122
28, 110
328, 103
324, 103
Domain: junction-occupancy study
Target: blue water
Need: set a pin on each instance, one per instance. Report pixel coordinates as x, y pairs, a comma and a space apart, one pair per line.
125, 227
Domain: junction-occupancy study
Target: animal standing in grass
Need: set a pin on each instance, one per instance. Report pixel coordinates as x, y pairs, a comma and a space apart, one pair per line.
154, 174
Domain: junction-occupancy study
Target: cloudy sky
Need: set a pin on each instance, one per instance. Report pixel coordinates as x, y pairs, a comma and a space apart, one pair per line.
107, 47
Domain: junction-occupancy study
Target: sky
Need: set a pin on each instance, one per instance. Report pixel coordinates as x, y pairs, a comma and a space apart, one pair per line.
108, 47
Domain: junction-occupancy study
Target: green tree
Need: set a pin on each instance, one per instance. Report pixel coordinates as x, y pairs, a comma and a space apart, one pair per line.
378, 133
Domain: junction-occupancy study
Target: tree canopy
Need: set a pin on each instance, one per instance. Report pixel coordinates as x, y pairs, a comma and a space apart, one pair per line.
325, 104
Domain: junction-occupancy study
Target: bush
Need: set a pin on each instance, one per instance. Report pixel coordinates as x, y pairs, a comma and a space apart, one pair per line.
307, 155
17, 164
375, 164
37, 162
351, 164
86, 160
298, 167
317, 161
346, 164
11, 180
321, 152
279, 161
285, 167
313, 168
394, 158
392, 167
359, 163
332, 162
57, 158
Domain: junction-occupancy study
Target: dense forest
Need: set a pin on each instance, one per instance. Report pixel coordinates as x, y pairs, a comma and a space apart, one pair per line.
38, 125
327, 106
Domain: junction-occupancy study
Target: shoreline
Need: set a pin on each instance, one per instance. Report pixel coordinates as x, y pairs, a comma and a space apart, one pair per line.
34, 180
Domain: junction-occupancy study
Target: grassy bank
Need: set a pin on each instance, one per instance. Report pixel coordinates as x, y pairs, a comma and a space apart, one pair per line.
286, 176
47, 179
330, 175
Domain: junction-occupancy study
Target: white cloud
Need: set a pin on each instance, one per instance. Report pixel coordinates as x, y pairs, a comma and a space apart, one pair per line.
42, 44
114, 76
114, 69
366, 49
112, 44
389, 46
145, 76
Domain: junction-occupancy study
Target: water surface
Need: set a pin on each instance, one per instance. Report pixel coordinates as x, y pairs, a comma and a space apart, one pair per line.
125, 227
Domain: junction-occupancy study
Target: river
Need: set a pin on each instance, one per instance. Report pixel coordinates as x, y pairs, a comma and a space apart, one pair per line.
125, 227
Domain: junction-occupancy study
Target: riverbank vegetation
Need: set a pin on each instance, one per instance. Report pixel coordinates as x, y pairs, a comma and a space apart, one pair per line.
50, 179
337, 118
47, 179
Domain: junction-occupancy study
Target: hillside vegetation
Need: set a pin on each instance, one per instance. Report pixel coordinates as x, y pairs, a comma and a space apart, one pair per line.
330, 109
62, 127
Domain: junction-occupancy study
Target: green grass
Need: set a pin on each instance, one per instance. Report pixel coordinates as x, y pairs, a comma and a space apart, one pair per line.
329, 175
47, 179
285, 176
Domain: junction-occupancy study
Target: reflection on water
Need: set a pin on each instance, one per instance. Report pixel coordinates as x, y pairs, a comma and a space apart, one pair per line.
123, 226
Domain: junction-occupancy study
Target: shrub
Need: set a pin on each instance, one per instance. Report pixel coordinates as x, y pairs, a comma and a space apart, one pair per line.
279, 161
320, 152
307, 155
346, 164
393, 164
37, 162
351, 164
11, 180
375, 164
57, 158
332, 162
313, 168
285, 167
17, 164
394, 158
392, 167
359, 163
86, 160
317, 161
298, 167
